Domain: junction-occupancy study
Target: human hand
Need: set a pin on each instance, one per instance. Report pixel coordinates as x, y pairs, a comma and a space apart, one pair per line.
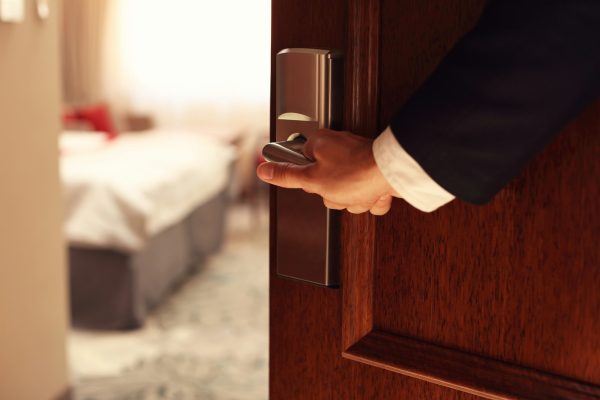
344, 173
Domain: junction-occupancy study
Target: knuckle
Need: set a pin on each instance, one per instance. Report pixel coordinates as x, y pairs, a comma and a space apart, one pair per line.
381, 208
332, 205
357, 210
288, 175
320, 147
308, 148
379, 212
282, 171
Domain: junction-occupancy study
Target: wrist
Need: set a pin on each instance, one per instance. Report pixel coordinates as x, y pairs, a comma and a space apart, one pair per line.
377, 177
406, 176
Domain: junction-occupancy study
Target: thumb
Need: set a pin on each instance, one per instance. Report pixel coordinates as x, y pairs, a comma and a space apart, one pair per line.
286, 175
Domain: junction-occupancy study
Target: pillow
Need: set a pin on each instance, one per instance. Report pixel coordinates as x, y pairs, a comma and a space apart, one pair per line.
96, 115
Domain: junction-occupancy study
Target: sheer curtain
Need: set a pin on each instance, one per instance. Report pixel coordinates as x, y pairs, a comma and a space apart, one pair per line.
82, 38
189, 63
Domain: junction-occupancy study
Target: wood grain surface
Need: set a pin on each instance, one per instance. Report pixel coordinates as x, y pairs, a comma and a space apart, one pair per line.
514, 283
517, 279
485, 377
362, 107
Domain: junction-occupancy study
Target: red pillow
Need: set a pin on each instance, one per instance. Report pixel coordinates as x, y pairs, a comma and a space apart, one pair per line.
98, 116
69, 115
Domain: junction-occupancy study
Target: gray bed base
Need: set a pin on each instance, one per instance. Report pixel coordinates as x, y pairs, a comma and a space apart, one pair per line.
114, 290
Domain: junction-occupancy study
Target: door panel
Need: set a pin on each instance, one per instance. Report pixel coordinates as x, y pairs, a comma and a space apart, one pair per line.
516, 279
513, 280
498, 301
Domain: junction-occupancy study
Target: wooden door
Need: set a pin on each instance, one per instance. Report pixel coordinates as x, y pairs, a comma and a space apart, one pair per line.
497, 301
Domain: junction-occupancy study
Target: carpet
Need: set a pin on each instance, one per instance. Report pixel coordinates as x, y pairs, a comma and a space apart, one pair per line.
207, 341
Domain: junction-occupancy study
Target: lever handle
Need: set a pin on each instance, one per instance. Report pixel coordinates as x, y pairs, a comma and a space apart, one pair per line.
287, 151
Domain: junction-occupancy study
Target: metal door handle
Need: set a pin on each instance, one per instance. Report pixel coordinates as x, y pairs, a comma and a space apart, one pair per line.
290, 151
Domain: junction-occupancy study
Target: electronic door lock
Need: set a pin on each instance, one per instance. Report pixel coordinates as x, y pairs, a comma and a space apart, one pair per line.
307, 98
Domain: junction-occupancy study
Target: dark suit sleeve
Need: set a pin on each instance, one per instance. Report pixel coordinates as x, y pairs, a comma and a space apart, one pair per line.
502, 93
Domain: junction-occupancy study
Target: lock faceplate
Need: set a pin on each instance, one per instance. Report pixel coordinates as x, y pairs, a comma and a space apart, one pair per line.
308, 88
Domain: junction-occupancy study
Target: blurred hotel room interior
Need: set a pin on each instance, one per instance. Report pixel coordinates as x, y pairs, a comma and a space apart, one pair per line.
165, 107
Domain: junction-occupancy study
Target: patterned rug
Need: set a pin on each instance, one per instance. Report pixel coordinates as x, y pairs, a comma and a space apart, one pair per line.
207, 341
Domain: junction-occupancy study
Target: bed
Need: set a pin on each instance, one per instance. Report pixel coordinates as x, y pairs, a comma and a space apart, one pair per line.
141, 210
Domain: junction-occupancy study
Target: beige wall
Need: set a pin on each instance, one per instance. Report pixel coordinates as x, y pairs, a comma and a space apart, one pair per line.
33, 313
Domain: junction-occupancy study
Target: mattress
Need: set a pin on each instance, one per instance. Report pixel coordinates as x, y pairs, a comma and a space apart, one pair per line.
115, 290
121, 192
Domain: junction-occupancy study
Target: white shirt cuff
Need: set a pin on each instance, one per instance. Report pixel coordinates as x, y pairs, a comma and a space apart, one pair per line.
406, 176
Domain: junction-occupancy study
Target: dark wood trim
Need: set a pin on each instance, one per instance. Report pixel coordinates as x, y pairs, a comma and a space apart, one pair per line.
485, 377
362, 109
357, 278
362, 57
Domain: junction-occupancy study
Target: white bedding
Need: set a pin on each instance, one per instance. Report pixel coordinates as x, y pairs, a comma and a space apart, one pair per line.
121, 192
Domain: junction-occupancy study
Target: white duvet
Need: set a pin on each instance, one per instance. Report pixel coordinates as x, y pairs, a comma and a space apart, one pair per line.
119, 193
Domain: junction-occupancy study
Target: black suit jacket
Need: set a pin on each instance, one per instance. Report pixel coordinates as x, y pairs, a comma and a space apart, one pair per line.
502, 93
